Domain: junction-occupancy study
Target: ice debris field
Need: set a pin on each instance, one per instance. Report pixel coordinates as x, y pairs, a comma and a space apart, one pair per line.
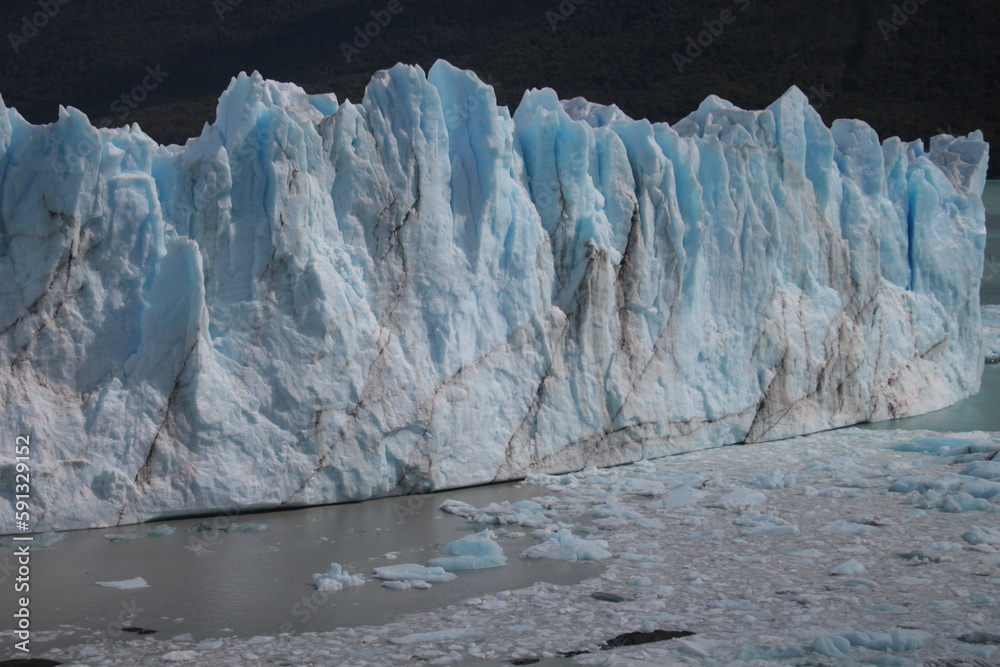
318, 301
849, 547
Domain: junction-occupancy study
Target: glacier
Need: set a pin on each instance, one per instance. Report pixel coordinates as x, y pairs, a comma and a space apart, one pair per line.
316, 301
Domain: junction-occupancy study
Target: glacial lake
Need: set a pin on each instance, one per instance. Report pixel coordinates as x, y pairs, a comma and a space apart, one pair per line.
244, 584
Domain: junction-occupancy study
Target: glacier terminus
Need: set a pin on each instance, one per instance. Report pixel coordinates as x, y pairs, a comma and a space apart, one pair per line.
318, 301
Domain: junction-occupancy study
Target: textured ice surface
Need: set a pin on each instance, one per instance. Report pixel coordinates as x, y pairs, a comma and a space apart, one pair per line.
991, 329
318, 301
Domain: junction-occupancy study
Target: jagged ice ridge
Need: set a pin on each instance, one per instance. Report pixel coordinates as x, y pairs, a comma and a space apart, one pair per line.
318, 301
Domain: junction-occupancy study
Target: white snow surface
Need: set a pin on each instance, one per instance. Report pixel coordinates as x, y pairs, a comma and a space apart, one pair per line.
318, 301
917, 587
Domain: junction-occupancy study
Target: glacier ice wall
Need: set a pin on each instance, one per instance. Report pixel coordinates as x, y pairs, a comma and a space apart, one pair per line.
318, 301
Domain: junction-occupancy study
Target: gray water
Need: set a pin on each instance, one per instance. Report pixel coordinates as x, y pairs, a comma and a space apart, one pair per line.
216, 584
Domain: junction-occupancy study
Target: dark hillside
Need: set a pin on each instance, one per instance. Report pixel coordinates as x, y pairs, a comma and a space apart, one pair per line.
912, 68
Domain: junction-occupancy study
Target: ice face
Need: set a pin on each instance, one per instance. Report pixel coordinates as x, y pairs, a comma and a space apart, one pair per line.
318, 301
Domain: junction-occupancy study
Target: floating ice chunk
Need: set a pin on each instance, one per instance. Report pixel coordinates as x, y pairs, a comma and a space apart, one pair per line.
898, 639
741, 497
985, 469
611, 523
127, 584
963, 502
336, 579
458, 508
123, 537
471, 553
528, 506
981, 651
877, 641
179, 656
690, 479
695, 647
680, 496
982, 636
162, 530
908, 640
776, 479
260, 639
842, 527
762, 523
643, 487
850, 568
563, 545
984, 599
614, 510
406, 585
225, 527
524, 513
247, 528
413, 572
450, 635
978, 535
930, 445
834, 647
